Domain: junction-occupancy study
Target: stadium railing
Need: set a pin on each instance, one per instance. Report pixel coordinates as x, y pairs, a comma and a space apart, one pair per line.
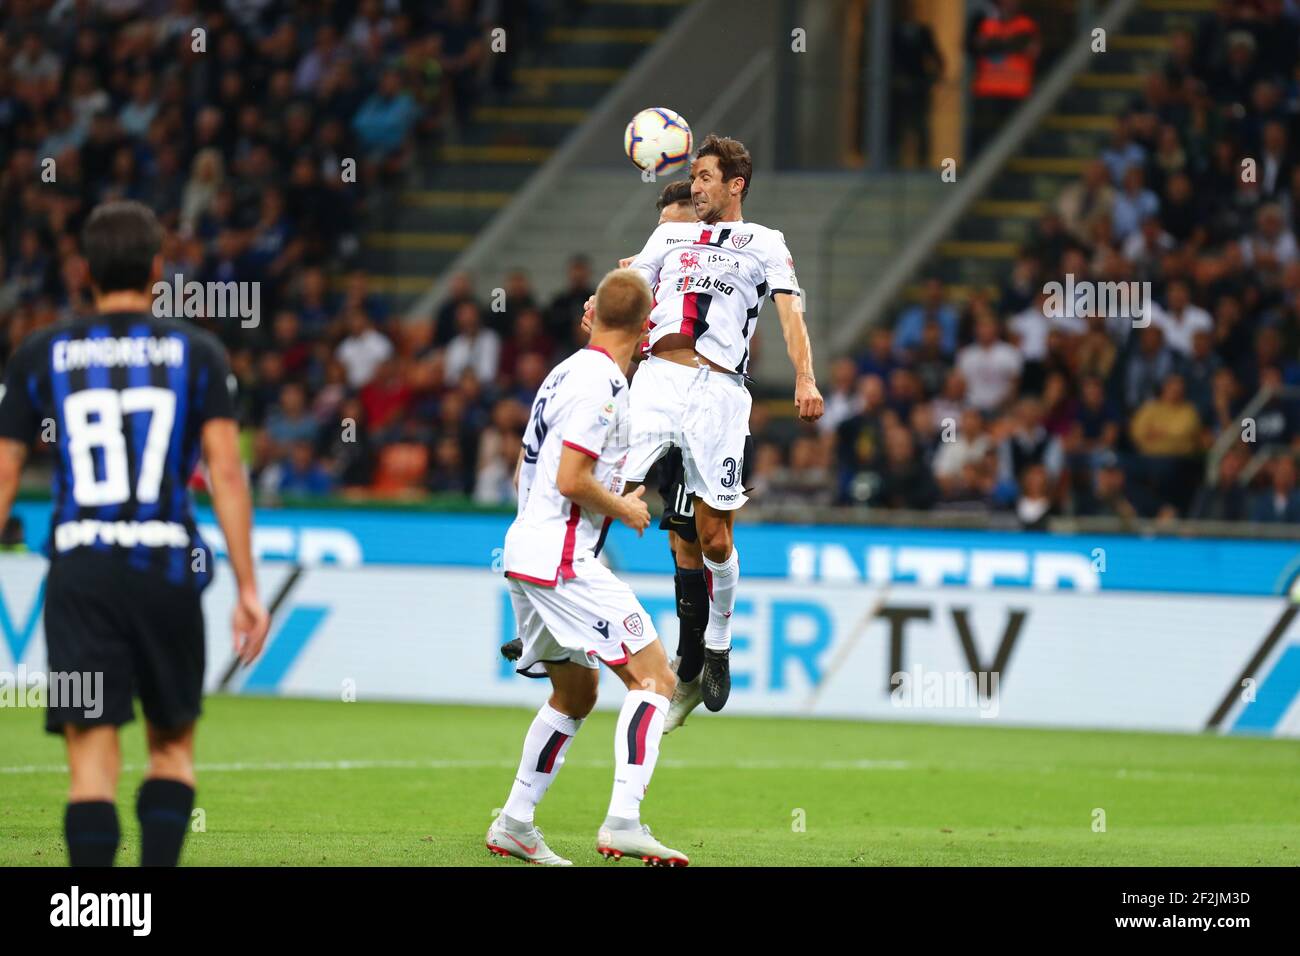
1229, 437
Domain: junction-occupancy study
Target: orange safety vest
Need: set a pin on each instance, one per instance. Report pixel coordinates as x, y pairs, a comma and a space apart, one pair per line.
1005, 75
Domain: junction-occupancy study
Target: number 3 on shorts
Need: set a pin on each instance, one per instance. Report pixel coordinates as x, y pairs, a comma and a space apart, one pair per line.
730, 471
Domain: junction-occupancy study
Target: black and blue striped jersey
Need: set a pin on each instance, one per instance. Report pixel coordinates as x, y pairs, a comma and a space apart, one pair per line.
122, 397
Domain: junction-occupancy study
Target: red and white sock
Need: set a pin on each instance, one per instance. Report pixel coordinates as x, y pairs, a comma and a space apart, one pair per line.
722, 580
636, 749
544, 746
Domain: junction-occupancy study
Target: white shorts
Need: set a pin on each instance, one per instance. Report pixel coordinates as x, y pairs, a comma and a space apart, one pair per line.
586, 619
703, 412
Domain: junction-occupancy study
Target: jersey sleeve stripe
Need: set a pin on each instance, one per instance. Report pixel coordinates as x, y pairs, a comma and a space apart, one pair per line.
586, 451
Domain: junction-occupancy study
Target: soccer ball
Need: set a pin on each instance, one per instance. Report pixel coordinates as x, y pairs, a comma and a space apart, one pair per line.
658, 139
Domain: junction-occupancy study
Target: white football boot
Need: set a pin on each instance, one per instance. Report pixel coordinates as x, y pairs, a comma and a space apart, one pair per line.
638, 842
522, 843
686, 697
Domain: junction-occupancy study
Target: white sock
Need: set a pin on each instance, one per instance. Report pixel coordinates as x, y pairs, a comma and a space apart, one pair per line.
722, 580
636, 748
544, 746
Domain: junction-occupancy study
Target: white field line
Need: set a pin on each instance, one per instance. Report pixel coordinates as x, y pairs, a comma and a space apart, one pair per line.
273, 766
863, 765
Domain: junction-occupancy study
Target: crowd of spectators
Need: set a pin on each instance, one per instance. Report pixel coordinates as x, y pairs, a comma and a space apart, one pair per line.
1002, 403
1012, 402
408, 410
233, 120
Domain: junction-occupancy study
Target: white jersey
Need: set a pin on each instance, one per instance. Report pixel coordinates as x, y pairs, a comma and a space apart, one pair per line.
709, 281
582, 405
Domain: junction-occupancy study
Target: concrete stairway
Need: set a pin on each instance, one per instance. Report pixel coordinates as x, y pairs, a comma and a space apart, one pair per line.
416, 232
980, 252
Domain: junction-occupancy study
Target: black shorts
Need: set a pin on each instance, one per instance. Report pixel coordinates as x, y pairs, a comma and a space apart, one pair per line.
679, 508
124, 633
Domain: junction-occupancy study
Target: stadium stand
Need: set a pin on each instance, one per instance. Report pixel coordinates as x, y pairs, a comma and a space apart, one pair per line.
971, 400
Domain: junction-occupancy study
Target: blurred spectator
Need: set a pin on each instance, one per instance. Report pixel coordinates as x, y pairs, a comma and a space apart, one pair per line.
363, 350
1271, 247
1034, 506
1087, 202
902, 480
915, 66
462, 51
302, 474
913, 320
1106, 494
842, 399
1281, 502
529, 338
1133, 203
806, 480
387, 395
384, 121
1123, 153
1168, 436
1227, 499
345, 445
1168, 425
1028, 442
447, 472
474, 347
460, 289
1181, 318
879, 358
289, 422
566, 308
1005, 45
1275, 422
990, 367
969, 446
859, 440
495, 483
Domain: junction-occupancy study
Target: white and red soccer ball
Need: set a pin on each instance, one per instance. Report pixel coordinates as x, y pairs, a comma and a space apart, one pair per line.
658, 139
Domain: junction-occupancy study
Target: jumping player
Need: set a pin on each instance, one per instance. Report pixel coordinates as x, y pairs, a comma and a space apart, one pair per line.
134, 400
709, 280
675, 205
571, 612
678, 519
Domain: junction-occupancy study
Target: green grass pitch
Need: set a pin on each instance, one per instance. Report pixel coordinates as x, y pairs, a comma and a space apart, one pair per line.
318, 782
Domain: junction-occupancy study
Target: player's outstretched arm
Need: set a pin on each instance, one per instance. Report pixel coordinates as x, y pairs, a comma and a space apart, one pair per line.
807, 399
12, 456
576, 480
234, 508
